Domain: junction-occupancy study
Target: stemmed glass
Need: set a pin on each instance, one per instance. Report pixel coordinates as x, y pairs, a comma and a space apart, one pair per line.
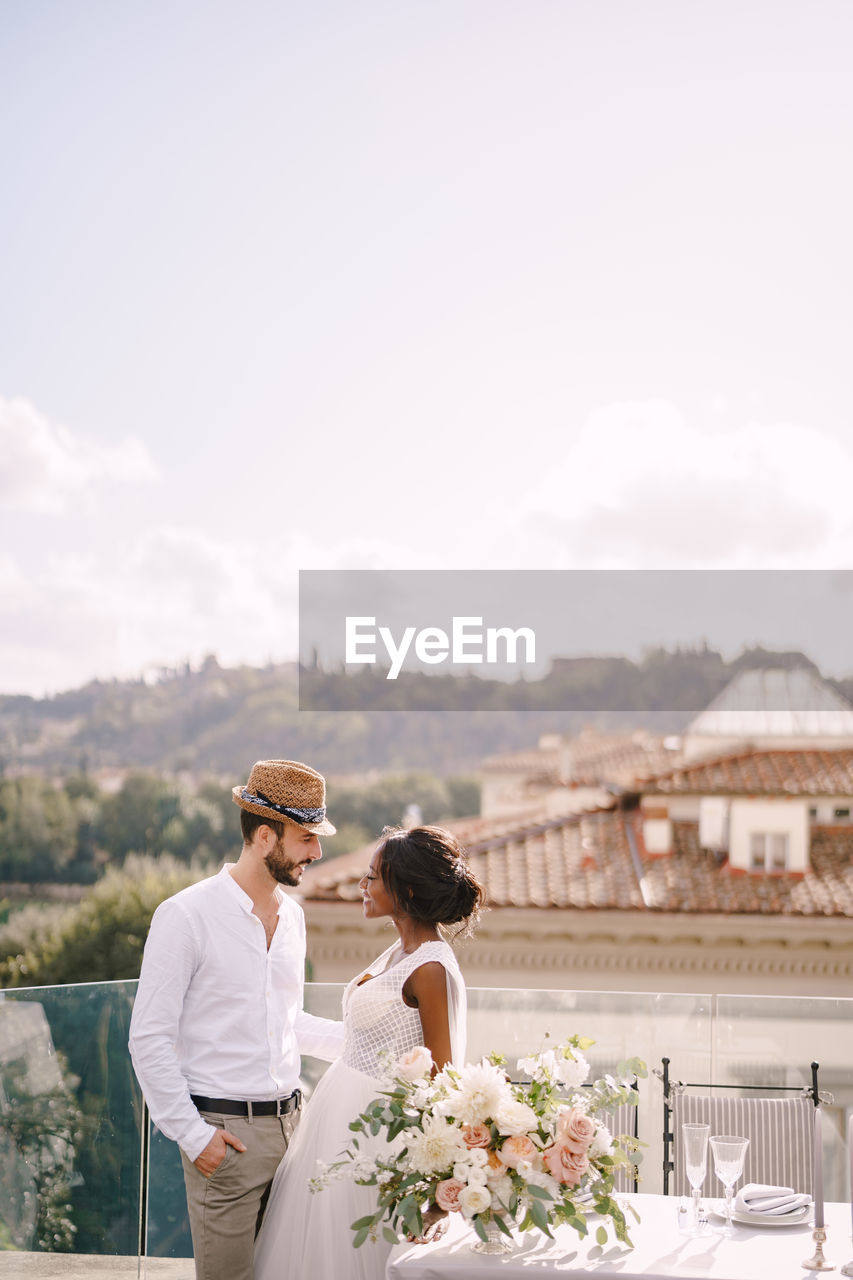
729, 1155
695, 1139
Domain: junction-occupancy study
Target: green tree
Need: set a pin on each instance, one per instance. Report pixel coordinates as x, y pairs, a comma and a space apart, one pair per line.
102, 937
38, 829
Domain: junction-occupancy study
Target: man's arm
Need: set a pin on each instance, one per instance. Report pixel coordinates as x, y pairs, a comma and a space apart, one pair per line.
321, 1037
168, 964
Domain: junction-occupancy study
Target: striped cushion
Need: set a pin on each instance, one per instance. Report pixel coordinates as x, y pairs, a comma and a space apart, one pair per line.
780, 1132
623, 1121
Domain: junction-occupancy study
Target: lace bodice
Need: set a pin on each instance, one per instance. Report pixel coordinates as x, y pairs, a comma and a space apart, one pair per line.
376, 1017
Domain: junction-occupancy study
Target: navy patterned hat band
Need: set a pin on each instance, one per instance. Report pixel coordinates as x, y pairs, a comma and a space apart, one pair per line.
298, 815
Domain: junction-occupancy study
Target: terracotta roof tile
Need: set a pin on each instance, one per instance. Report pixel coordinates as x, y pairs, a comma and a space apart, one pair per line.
585, 862
787, 772
691, 879
540, 764
598, 758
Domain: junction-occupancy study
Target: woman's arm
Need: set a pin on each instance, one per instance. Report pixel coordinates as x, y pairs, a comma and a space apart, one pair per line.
426, 990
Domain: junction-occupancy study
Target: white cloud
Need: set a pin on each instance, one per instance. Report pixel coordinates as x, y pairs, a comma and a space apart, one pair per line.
44, 465
642, 488
168, 595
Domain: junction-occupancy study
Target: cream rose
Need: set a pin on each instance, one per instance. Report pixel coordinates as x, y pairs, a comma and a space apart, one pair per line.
415, 1064
514, 1117
474, 1199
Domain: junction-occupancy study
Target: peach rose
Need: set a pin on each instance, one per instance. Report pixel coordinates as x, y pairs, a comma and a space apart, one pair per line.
494, 1162
477, 1135
517, 1149
447, 1194
576, 1130
564, 1164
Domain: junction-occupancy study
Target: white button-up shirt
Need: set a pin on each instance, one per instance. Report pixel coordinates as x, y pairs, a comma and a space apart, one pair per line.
218, 1014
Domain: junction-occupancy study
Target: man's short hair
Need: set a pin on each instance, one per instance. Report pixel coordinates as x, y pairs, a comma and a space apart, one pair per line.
249, 823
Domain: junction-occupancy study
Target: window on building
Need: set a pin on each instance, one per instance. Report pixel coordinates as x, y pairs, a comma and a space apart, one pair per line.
768, 850
842, 815
813, 814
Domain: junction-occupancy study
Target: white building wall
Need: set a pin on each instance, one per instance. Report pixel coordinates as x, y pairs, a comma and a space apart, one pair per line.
784, 817
826, 808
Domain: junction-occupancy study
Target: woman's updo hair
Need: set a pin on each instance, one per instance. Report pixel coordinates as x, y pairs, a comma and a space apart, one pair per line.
426, 872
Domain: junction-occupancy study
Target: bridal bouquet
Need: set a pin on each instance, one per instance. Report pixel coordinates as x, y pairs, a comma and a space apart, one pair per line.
472, 1142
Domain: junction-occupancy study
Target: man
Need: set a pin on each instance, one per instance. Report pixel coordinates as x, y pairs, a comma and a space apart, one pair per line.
218, 1025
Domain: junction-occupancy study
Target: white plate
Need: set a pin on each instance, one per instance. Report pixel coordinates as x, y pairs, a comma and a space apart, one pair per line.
795, 1219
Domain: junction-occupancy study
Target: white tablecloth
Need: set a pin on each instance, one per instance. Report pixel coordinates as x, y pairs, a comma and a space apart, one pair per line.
661, 1251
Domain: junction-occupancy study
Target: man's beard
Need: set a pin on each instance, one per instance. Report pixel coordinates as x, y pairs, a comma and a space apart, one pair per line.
281, 869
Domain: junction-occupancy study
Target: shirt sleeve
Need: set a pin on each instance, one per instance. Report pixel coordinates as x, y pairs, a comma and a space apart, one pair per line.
320, 1037
168, 964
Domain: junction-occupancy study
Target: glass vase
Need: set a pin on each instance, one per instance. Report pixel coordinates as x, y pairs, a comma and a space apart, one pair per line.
495, 1242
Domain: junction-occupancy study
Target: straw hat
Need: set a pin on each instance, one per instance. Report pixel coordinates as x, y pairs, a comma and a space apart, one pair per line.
286, 789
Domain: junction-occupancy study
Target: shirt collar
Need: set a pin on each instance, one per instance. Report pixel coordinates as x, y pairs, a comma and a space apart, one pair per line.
240, 896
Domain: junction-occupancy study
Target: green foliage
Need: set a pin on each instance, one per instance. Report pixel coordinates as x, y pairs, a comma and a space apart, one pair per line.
75, 1114
101, 939
160, 815
360, 812
38, 829
68, 833
46, 1128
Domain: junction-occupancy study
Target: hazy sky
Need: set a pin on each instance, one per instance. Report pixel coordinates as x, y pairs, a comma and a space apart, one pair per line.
542, 284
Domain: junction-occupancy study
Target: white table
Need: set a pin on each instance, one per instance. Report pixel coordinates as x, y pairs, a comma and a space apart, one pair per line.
660, 1251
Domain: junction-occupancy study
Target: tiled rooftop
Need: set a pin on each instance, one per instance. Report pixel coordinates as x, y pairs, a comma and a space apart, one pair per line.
780, 773
539, 764
581, 862
690, 879
598, 862
592, 758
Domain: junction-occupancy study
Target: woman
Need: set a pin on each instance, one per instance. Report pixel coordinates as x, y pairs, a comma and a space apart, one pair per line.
412, 994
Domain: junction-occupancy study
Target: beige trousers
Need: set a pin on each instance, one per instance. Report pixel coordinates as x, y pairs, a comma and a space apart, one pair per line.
226, 1209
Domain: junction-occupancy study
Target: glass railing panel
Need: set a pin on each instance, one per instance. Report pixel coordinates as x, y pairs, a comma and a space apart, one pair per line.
623, 1025
773, 1040
70, 1122
167, 1225
71, 1150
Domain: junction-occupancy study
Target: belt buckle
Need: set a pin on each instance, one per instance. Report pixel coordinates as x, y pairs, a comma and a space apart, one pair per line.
288, 1104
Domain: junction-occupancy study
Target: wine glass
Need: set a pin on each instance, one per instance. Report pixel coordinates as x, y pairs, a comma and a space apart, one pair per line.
695, 1139
729, 1155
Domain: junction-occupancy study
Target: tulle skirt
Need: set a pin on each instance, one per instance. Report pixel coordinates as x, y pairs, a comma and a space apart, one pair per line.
306, 1234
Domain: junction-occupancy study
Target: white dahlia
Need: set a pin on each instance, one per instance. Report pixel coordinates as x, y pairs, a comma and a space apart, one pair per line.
436, 1148
480, 1092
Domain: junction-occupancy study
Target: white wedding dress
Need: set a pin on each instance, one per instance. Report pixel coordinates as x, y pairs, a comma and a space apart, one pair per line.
306, 1235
